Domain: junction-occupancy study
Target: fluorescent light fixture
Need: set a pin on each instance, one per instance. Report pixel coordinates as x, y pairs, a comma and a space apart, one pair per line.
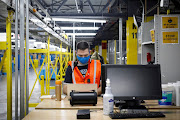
164, 3
76, 20
81, 34
79, 28
85, 37
49, 30
135, 22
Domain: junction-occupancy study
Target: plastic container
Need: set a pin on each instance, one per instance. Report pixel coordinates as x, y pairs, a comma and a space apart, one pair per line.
108, 99
177, 88
167, 92
174, 94
58, 90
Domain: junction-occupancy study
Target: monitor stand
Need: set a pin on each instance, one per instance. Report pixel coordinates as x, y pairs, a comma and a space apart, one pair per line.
132, 106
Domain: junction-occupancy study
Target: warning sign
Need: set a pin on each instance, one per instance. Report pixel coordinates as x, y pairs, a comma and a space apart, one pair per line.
170, 37
169, 22
152, 35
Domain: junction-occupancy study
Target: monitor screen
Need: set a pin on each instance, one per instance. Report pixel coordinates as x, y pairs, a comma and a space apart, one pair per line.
141, 82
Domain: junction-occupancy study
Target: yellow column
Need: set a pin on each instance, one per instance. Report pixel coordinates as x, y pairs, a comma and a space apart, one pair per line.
131, 35
9, 65
61, 65
104, 50
48, 70
46, 75
42, 85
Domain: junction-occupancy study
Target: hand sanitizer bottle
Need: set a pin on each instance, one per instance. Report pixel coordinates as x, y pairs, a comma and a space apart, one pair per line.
108, 99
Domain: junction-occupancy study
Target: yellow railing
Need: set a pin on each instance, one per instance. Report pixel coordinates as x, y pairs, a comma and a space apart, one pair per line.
60, 57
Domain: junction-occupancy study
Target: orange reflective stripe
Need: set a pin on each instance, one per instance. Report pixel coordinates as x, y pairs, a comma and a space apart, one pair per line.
95, 68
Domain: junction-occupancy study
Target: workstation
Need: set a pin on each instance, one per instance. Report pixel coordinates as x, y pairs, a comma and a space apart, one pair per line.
89, 59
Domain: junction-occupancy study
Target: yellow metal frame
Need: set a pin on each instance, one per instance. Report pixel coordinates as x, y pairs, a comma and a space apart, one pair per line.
38, 50
36, 74
3, 45
48, 61
60, 57
9, 64
33, 104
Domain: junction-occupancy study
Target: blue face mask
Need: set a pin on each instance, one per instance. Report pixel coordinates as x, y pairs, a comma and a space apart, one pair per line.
83, 60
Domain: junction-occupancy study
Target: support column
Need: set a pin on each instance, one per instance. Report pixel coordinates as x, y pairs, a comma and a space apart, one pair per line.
74, 40
27, 57
131, 43
104, 50
48, 76
120, 40
16, 62
61, 65
115, 51
22, 77
9, 64
46, 62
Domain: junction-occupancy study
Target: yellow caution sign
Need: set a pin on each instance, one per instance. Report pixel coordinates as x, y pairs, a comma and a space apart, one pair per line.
152, 35
169, 22
170, 37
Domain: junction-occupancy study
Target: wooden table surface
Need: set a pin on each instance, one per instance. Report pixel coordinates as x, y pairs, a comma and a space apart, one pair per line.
65, 104
94, 115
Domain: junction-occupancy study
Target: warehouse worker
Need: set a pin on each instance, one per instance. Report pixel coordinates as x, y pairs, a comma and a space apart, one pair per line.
84, 70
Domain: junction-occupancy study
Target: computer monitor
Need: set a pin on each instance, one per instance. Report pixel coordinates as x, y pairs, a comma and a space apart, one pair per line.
133, 82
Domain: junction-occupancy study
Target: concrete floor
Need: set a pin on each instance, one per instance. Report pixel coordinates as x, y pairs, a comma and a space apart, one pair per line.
3, 93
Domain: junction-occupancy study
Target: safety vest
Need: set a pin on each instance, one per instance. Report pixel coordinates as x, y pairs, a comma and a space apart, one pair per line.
92, 76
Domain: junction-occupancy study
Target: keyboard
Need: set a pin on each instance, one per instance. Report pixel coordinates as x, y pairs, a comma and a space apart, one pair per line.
136, 115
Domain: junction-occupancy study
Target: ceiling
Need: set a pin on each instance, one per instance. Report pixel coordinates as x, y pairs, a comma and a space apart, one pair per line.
82, 9
110, 10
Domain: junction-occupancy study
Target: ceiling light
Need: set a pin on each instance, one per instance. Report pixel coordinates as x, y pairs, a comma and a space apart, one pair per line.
76, 20
80, 28
81, 34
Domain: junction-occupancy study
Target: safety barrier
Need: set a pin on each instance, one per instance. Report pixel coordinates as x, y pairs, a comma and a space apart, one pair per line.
60, 57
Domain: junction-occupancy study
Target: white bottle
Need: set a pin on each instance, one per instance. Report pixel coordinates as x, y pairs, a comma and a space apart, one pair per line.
178, 93
108, 99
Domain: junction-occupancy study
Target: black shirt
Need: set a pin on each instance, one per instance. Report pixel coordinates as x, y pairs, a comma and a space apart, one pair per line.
68, 76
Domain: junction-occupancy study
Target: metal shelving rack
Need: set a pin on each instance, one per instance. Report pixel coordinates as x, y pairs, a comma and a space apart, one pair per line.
147, 45
167, 54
